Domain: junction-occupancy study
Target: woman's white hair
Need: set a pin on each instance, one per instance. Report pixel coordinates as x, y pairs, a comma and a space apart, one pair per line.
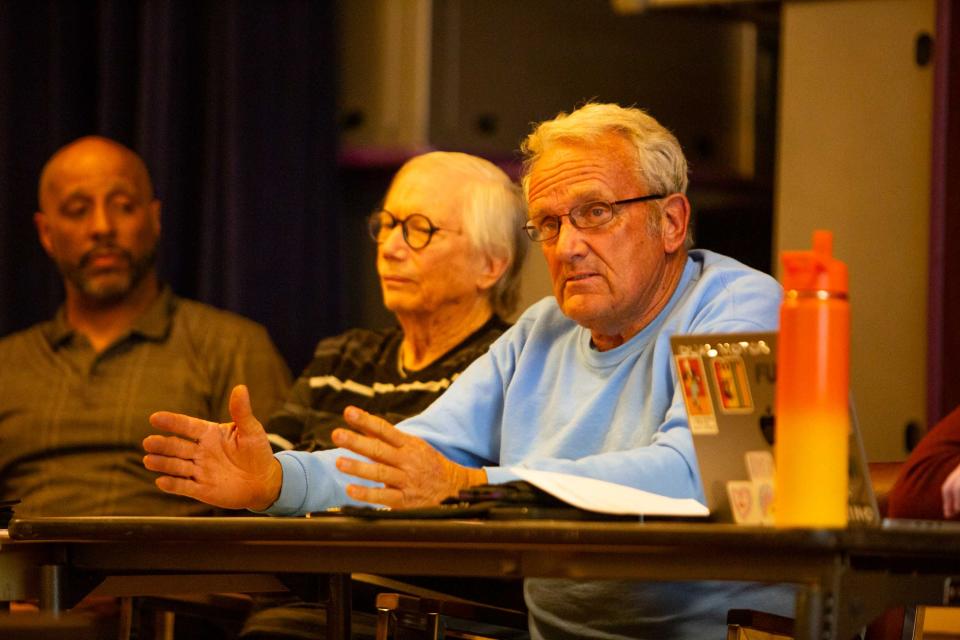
660, 160
493, 214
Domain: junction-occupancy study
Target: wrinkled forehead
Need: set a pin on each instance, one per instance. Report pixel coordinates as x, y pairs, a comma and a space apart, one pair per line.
571, 172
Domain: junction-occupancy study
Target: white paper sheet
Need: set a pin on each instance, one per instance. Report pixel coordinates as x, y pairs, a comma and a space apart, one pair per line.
607, 497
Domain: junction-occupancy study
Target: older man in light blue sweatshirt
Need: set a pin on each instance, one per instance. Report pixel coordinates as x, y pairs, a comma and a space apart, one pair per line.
582, 384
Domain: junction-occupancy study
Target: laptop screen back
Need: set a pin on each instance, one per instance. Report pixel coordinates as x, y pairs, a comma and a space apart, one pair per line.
729, 385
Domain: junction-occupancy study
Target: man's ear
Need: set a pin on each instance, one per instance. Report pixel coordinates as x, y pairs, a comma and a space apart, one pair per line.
42, 224
154, 207
675, 221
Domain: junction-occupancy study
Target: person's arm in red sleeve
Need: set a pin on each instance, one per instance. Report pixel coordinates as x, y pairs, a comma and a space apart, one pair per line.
929, 483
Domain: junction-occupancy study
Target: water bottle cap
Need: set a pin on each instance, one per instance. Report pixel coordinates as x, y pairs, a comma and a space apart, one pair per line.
815, 270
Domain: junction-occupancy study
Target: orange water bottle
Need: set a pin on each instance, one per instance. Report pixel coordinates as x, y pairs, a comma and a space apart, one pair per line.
813, 380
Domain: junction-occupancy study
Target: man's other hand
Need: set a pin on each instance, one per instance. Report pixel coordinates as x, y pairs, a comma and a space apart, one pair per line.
413, 473
226, 465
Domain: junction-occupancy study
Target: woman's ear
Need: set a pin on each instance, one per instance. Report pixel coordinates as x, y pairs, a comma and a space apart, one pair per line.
490, 274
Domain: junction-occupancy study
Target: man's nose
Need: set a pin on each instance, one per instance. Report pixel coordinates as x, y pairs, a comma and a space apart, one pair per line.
569, 241
102, 221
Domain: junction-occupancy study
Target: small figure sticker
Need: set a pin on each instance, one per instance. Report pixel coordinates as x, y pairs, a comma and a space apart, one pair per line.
696, 395
743, 501
760, 471
732, 385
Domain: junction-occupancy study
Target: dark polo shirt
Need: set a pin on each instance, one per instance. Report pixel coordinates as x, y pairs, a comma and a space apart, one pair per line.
72, 420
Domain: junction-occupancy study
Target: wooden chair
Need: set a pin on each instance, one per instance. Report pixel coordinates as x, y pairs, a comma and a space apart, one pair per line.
746, 624
48, 626
403, 617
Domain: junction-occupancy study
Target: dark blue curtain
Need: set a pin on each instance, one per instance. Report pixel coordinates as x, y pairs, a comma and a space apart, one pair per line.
231, 105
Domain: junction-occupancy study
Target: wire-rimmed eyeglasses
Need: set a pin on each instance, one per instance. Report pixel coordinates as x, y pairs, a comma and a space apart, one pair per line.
417, 228
583, 216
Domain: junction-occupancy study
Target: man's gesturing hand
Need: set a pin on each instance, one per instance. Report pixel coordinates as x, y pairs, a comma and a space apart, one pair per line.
226, 465
414, 474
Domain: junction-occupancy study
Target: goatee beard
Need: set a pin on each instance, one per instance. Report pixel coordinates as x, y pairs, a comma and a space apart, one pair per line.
116, 288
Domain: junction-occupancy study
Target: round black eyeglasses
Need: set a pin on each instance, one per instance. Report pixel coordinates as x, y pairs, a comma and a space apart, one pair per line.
417, 228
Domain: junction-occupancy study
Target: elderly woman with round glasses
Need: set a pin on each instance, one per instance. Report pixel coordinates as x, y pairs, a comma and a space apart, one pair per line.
449, 250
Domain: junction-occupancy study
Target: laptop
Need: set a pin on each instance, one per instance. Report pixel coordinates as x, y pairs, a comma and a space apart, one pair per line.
728, 382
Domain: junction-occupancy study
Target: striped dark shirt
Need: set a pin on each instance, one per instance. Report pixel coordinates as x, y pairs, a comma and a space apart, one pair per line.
362, 368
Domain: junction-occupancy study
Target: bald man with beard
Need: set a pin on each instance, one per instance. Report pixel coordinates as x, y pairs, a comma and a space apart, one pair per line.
76, 391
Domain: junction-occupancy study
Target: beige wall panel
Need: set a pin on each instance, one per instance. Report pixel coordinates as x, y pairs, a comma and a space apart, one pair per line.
535, 279
854, 157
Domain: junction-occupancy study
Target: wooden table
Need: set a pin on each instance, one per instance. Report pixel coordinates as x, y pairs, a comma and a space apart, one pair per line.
845, 577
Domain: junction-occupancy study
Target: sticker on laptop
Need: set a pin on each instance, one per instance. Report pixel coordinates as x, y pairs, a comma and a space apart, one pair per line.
733, 388
759, 465
696, 394
743, 501
751, 501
